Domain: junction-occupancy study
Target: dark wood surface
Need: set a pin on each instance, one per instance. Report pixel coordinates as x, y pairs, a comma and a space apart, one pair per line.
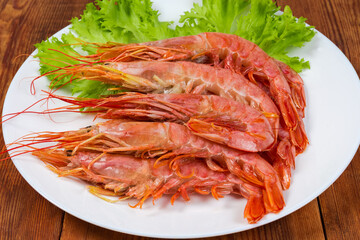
24, 214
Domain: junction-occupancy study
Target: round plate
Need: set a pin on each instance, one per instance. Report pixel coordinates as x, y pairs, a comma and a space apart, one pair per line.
332, 123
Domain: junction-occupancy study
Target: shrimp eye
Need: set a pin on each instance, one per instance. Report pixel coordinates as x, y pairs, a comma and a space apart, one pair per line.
88, 128
68, 153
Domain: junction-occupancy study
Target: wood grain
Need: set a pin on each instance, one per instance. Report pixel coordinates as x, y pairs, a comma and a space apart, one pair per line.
24, 214
308, 218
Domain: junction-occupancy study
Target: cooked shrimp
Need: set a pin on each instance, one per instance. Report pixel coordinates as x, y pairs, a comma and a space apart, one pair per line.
125, 176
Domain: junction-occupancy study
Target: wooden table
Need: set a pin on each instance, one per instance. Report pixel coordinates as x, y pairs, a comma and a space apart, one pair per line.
24, 214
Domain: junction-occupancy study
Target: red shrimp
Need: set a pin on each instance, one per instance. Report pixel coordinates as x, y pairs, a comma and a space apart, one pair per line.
125, 176
170, 142
215, 118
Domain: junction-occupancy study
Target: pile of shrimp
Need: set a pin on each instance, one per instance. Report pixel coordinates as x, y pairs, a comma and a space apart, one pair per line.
206, 114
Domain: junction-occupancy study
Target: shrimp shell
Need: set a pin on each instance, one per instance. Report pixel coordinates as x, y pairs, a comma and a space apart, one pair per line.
125, 176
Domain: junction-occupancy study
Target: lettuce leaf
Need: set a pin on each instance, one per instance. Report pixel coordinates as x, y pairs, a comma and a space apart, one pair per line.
124, 21
90, 28
129, 21
51, 59
212, 16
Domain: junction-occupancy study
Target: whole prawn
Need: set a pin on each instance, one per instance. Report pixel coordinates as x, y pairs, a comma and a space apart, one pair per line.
169, 143
126, 176
215, 118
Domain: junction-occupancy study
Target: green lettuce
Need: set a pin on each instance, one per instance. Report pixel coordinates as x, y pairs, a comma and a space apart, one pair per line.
213, 16
124, 21
51, 59
128, 21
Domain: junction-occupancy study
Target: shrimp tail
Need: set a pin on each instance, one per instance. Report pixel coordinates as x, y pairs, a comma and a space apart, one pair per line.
299, 138
296, 85
282, 158
288, 111
284, 173
254, 209
286, 151
273, 198
269, 181
298, 95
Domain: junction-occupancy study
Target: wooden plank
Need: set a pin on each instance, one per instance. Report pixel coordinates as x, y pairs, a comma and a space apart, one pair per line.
24, 214
302, 224
339, 21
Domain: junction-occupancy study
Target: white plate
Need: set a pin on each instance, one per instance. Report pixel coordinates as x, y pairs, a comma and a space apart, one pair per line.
332, 123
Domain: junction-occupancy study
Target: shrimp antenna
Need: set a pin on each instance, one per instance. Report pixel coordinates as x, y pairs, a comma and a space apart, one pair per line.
13, 115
